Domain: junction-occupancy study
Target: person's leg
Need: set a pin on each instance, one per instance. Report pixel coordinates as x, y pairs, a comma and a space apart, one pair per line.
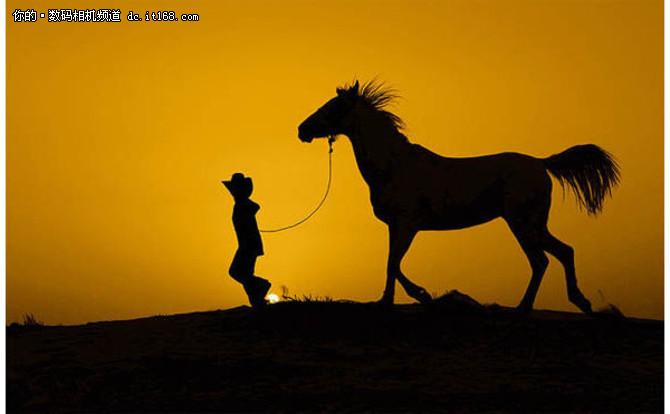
242, 270
242, 267
262, 285
255, 287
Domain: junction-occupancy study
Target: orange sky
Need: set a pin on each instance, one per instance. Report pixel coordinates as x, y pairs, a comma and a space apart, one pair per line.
119, 133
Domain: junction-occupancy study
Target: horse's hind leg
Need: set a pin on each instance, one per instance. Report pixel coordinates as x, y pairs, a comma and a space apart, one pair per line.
530, 238
566, 255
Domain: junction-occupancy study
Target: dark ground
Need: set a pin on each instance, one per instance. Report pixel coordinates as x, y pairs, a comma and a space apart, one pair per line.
334, 356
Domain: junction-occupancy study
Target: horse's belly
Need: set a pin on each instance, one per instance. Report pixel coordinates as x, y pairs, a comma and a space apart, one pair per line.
440, 208
465, 208
453, 220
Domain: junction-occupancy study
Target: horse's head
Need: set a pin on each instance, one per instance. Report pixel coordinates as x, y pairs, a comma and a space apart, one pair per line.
333, 118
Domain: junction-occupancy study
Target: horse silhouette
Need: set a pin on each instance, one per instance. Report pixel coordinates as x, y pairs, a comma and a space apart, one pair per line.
414, 189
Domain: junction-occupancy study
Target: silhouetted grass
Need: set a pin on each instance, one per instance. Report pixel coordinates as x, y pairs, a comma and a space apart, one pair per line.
308, 299
30, 320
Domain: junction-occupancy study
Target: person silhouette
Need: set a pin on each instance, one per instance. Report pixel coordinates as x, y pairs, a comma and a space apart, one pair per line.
250, 245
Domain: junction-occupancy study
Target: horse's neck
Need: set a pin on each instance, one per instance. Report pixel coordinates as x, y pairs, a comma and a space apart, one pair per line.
378, 148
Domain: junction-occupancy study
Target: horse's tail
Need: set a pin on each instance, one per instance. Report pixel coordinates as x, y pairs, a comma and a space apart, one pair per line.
590, 171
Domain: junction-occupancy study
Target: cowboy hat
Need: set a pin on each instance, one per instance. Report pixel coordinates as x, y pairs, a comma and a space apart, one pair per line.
237, 183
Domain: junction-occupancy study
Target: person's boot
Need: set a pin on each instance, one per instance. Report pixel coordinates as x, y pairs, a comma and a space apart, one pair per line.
263, 287
250, 289
256, 289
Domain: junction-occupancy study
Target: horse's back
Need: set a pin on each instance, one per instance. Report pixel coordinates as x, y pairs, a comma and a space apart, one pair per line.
521, 176
471, 190
525, 182
506, 165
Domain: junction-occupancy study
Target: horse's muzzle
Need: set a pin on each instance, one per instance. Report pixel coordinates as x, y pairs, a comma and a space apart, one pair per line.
304, 135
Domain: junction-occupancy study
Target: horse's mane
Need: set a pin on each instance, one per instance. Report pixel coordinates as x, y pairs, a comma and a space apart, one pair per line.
377, 96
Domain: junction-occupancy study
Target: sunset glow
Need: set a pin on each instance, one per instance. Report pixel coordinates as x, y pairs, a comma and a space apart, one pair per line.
272, 298
118, 135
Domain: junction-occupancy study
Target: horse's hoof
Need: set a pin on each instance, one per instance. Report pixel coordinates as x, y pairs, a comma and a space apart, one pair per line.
586, 308
524, 309
386, 301
423, 297
578, 299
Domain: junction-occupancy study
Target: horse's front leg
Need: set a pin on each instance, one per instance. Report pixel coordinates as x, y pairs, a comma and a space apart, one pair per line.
400, 238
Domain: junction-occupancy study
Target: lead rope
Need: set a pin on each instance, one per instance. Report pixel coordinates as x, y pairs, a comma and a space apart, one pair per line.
331, 139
